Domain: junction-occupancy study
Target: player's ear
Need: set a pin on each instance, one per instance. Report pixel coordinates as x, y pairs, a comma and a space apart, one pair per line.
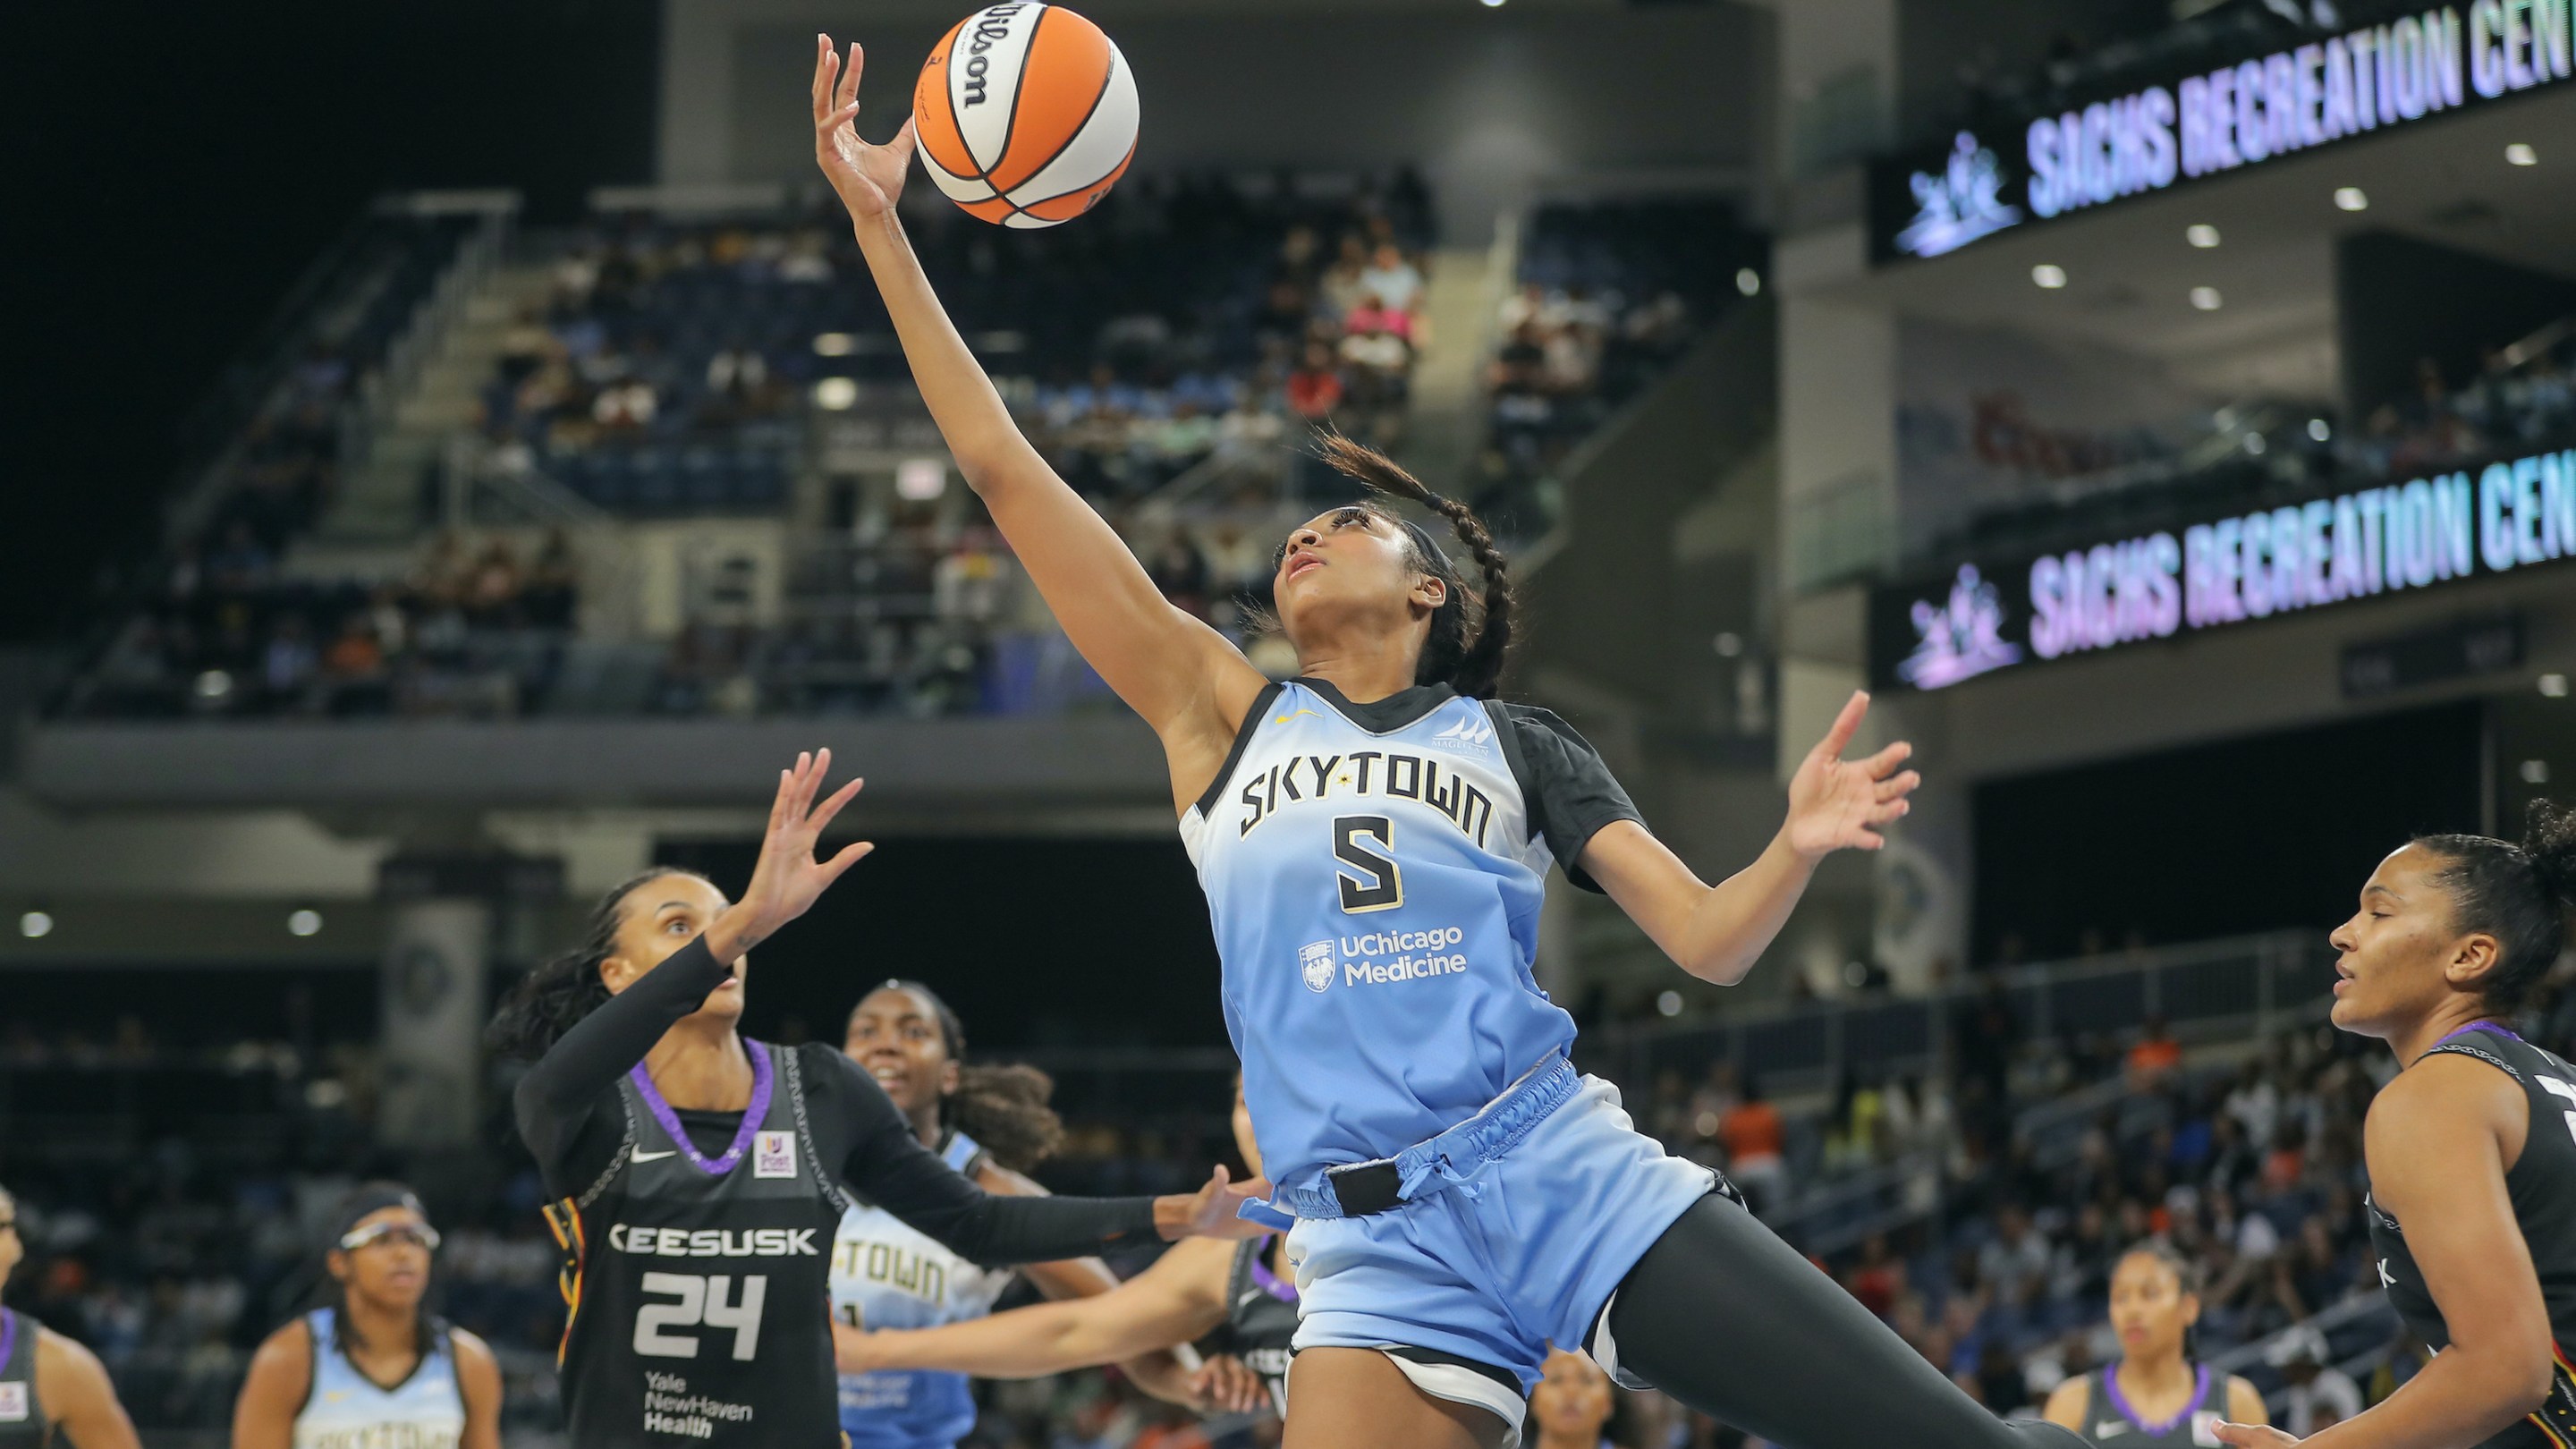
950, 1075
1430, 591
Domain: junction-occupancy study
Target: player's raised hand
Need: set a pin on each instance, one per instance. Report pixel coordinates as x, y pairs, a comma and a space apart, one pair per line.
788, 879
1838, 804
867, 178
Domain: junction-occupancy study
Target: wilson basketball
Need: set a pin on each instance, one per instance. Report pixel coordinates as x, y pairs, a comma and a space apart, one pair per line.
1026, 114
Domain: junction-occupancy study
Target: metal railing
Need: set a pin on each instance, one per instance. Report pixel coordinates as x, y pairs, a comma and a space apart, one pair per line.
2207, 990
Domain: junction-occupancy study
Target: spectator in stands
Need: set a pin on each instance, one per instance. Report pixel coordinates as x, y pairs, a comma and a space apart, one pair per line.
1391, 281
1345, 282
2319, 1395
1315, 388
2016, 1262
2155, 1057
1754, 1138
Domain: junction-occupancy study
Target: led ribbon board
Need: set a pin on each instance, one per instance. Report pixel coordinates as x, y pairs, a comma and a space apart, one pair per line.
1978, 617
2221, 116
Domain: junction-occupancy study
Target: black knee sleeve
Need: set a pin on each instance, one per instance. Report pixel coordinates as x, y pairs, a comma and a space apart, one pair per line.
1725, 1317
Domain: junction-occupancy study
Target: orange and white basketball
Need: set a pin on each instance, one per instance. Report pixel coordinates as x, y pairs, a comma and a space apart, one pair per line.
1026, 114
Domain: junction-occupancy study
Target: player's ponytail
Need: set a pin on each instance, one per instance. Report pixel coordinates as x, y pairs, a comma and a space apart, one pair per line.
549, 1000
1004, 1107
2520, 894
1470, 635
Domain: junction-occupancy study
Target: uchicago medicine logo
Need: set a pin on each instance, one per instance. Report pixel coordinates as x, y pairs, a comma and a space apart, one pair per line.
1315, 963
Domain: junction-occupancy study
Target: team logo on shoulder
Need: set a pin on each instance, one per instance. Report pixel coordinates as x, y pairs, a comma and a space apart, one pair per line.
1315, 963
773, 1154
13, 1403
1471, 733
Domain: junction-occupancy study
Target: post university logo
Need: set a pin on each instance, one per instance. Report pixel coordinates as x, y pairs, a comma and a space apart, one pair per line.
1315, 963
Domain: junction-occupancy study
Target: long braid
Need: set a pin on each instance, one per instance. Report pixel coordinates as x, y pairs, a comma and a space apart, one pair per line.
1468, 646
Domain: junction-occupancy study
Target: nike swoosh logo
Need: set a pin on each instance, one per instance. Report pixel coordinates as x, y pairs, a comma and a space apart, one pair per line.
1246, 1296
653, 1156
1283, 719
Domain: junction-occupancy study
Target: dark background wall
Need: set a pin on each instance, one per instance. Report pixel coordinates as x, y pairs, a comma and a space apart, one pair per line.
172, 168
2253, 834
1035, 942
2398, 300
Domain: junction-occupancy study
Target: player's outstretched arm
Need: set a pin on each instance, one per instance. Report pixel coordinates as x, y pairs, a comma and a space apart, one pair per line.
1179, 1299
1182, 676
1717, 932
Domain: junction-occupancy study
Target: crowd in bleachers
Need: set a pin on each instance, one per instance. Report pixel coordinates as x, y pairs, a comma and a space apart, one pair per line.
1610, 294
1183, 319
476, 629
2507, 406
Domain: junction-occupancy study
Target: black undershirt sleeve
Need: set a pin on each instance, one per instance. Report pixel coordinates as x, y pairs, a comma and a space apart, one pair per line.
1570, 792
567, 1104
884, 1163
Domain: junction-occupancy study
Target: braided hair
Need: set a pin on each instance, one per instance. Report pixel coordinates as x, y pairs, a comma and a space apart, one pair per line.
2518, 894
1470, 635
548, 1001
1004, 1106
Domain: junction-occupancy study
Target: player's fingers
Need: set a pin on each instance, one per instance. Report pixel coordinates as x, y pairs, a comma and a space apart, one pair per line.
833, 802
904, 140
1892, 810
1888, 759
778, 802
1898, 787
1866, 840
826, 65
849, 90
849, 855
1846, 724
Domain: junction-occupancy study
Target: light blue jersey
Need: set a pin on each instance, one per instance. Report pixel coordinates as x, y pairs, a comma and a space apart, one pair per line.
1374, 877
887, 1274
347, 1410
1374, 873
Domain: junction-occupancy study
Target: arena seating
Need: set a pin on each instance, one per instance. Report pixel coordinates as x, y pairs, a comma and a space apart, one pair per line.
1610, 293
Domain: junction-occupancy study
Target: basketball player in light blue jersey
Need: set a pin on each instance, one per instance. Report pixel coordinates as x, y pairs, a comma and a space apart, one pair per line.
990, 1124
373, 1367
1372, 837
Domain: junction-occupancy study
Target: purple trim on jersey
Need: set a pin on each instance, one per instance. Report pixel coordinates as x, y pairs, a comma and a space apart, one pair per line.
2120, 1401
8, 1335
2499, 1028
752, 1116
1261, 1274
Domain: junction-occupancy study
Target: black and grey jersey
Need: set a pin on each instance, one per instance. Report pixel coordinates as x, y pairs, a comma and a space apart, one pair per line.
2111, 1421
698, 1287
1260, 1318
2542, 1186
23, 1424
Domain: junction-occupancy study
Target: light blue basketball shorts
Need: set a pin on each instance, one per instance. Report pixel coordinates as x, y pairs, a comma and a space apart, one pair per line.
1522, 1253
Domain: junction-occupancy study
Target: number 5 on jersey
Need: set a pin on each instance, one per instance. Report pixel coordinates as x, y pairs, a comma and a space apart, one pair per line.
701, 1301
1369, 879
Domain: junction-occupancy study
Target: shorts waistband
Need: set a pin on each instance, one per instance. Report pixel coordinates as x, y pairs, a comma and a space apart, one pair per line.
1438, 1163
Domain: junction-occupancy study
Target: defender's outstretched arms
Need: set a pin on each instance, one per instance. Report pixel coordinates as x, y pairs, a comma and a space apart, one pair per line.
1190, 684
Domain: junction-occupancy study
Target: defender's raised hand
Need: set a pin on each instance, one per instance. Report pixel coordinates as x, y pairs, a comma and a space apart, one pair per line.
867, 178
788, 879
1838, 804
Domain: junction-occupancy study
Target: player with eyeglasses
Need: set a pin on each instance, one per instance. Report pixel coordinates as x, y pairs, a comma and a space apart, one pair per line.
52, 1390
372, 1365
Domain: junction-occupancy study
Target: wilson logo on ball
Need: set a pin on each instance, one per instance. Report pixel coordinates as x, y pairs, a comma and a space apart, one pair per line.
1026, 114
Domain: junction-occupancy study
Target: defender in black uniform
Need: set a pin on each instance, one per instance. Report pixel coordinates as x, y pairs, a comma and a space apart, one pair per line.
1239, 1299
2154, 1395
52, 1390
698, 1175
2472, 1149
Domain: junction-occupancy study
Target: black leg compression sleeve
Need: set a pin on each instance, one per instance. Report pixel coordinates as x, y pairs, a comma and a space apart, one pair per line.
1728, 1319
